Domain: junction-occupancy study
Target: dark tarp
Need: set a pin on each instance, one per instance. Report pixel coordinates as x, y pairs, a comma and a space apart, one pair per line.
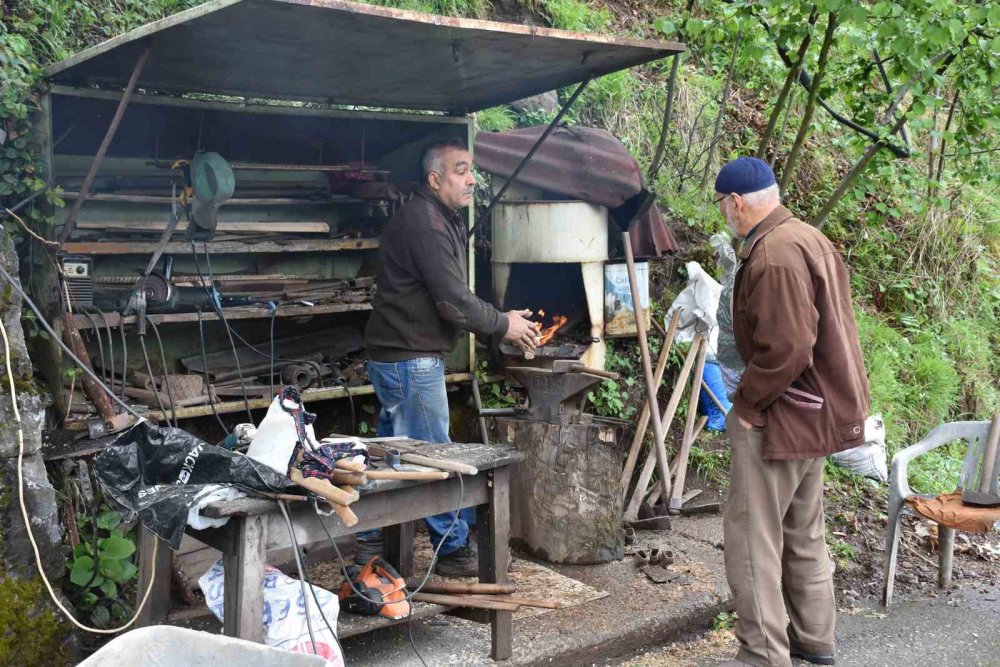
159, 472
582, 163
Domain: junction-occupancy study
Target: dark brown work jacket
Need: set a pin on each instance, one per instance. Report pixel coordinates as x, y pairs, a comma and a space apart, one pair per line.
422, 298
805, 383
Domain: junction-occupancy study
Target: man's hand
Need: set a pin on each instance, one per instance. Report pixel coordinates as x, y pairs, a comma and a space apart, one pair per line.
520, 330
744, 423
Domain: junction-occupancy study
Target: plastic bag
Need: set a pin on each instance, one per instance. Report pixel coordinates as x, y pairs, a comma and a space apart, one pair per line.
285, 624
867, 460
277, 436
726, 354
160, 472
697, 304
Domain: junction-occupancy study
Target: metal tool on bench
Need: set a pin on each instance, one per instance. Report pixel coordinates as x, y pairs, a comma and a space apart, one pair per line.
556, 395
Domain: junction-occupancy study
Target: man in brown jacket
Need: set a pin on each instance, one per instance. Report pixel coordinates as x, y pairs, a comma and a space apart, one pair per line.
804, 395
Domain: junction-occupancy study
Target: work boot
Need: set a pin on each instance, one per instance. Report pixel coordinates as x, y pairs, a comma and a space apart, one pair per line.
364, 550
812, 657
463, 562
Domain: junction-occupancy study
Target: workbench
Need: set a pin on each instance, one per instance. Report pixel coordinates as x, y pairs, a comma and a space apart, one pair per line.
256, 526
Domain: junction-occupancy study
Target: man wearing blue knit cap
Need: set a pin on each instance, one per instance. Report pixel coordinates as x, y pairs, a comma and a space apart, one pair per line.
803, 395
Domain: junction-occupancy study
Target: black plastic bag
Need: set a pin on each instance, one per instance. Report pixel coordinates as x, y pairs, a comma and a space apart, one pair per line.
158, 473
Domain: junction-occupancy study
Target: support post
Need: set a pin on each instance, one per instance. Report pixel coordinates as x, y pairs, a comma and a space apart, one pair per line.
158, 605
494, 554
116, 120
647, 371
243, 588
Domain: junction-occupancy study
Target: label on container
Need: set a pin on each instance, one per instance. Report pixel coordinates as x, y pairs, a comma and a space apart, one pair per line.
619, 312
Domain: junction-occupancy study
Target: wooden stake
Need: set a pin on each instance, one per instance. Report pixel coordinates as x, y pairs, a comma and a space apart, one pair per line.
434, 586
524, 602
407, 474
643, 424
682, 455
465, 601
659, 447
653, 492
632, 511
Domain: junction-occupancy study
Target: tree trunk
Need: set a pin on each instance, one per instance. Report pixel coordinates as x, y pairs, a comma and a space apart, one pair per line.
804, 128
722, 112
565, 497
658, 156
784, 95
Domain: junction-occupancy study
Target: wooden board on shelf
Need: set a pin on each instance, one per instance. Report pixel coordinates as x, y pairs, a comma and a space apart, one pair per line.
233, 313
218, 247
264, 227
239, 201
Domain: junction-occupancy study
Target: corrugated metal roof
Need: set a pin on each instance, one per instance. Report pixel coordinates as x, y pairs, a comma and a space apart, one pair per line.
345, 53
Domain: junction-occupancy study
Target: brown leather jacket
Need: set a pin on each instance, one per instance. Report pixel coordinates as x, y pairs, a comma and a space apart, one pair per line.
805, 383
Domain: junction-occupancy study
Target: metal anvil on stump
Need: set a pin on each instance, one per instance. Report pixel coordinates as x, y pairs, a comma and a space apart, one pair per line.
566, 501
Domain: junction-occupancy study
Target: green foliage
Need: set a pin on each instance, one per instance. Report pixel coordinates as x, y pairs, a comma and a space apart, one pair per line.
475, 9
496, 119
611, 398
33, 634
494, 394
724, 620
712, 465
99, 586
574, 15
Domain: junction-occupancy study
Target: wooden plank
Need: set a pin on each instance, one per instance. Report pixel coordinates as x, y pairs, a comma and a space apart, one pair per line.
494, 555
244, 580
158, 605
159, 199
349, 625
334, 168
267, 227
232, 313
219, 247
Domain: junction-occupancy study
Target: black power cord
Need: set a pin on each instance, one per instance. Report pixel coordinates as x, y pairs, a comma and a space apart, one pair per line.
121, 329
222, 316
149, 370
166, 379
204, 363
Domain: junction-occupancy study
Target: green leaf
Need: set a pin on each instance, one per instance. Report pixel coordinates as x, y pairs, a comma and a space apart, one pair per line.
101, 617
116, 547
82, 570
666, 26
109, 588
109, 520
112, 569
129, 571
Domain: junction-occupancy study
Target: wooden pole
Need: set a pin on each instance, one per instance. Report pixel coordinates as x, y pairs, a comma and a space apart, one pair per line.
465, 601
632, 511
462, 587
643, 425
116, 120
647, 370
682, 455
654, 491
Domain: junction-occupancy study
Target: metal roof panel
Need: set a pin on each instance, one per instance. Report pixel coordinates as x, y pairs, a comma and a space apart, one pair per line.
341, 52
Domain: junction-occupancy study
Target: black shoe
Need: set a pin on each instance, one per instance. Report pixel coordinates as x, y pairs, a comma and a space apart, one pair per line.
461, 563
814, 659
365, 550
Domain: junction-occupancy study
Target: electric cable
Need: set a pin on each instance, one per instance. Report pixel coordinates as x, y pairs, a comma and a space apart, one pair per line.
304, 581
204, 363
100, 339
48, 328
20, 482
270, 376
121, 328
222, 316
111, 350
149, 370
302, 578
166, 379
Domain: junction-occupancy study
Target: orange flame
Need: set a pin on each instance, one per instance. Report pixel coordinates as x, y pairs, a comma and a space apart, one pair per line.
547, 333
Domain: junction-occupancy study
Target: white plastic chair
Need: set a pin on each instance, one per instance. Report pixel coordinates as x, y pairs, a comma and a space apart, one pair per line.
973, 433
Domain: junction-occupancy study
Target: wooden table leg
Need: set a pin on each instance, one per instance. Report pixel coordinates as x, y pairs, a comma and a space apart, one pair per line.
397, 547
244, 584
158, 605
494, 554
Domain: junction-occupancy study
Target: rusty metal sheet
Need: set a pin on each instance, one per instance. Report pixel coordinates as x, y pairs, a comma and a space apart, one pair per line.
583, 163
346, 53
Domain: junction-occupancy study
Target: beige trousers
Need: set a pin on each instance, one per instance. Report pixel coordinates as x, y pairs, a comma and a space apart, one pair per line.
776, 558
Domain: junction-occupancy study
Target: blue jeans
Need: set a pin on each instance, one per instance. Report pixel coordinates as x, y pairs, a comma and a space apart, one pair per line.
415, 405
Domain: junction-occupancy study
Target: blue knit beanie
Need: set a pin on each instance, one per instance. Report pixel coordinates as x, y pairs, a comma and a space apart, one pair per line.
743, 175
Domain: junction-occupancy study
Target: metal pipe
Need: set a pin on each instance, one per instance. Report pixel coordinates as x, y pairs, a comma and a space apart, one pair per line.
531, 153
483, 431
88, 180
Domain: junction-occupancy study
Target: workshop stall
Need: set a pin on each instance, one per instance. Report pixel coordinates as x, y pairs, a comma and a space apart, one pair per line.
226, 175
